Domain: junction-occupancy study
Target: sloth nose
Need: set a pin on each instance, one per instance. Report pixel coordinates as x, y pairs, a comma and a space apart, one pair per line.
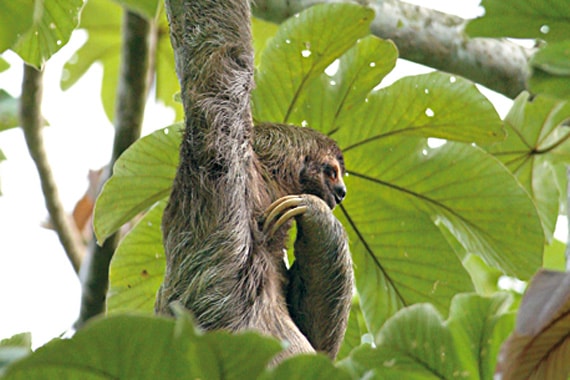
339, 192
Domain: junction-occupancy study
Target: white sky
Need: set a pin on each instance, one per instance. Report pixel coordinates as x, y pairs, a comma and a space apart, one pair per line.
39, 292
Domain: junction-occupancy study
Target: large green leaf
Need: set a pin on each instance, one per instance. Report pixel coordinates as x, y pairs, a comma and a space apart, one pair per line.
417, 344
393, 267
142, 176
17, 18
117, 347
329, 100
460, 187
137, 347
431, 105
54, 20
544, 19
302, 48
531, 150
400, 191
137, 268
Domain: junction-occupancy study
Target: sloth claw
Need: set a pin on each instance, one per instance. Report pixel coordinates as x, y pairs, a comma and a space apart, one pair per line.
281, 211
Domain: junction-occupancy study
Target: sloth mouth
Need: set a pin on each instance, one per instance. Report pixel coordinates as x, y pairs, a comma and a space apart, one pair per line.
339, 193
338, 199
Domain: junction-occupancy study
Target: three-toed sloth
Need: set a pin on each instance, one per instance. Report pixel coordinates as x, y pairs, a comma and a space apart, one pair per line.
236, 191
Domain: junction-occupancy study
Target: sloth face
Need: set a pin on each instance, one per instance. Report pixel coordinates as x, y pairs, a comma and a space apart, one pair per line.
324, 179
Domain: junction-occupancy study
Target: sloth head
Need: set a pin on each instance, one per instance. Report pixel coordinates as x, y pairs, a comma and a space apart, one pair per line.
301, 161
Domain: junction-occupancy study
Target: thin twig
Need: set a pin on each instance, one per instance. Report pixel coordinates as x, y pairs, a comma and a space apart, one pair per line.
32, 124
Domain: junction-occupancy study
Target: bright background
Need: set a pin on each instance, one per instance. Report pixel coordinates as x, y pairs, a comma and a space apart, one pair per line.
39, 292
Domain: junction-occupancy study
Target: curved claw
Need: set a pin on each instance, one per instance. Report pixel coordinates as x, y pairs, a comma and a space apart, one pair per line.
277, 202
283, 209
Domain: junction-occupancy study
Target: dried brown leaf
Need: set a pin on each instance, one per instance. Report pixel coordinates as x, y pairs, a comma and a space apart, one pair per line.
539, 348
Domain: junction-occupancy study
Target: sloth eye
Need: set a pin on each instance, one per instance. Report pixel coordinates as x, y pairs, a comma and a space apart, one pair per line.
330, 171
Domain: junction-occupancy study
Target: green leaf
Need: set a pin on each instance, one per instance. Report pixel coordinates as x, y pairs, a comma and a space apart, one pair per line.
328, 101
473, 321
393, 268
166, 83
241, 356
530, 148
485, 278
302, 48
431, 105
554, 58
9, 117
54, 20
554, 257
143, 347
403, 189
120, 347
262, 32
542, 82
102, 20
142, 176
137, 268
417, 344
146, 8
17, 18
545, 19
306, 367
550, 70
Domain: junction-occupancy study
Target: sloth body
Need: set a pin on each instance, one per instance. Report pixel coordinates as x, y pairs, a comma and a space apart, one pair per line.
236, 191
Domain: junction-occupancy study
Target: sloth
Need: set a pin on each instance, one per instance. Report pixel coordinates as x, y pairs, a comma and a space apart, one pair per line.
237, 190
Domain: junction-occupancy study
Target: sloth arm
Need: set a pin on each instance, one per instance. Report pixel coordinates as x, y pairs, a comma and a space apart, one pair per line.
319, 291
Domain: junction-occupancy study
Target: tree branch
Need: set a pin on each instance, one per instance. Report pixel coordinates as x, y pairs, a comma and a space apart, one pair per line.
32, 124
131, 98
433, 39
